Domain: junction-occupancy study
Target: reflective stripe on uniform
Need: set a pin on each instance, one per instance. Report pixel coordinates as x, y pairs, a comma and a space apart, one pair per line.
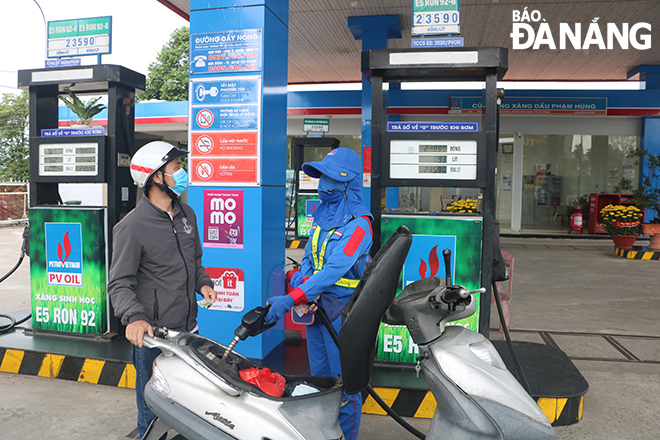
319, 257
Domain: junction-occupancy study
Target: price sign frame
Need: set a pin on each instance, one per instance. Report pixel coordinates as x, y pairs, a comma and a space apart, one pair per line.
99, 141
392, 156
80, 34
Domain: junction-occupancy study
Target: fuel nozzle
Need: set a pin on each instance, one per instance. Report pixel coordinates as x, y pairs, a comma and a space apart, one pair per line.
252, 324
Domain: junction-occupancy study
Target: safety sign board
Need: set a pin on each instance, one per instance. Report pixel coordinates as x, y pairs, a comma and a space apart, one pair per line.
229, 285
226, 51
223, 170
225, 143
224, 121
223, 219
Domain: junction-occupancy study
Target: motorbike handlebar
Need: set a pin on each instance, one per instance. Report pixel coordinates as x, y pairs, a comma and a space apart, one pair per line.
452, 294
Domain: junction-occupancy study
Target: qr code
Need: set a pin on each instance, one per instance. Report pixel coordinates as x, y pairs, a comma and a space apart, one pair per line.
214, 234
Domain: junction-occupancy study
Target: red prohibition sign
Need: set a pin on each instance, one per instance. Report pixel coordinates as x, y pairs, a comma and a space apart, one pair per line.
204, 144
204, 170
205, 118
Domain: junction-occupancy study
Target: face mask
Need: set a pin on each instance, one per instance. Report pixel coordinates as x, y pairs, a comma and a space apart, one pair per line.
180, 181
330, 190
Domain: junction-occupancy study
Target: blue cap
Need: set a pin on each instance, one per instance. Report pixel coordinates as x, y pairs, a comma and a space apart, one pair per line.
341, 164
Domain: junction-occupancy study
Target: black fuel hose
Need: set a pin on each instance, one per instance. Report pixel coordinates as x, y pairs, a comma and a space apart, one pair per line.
6, 328
407, 426
507, 336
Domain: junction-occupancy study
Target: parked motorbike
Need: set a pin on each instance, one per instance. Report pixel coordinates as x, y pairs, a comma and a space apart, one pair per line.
197, 391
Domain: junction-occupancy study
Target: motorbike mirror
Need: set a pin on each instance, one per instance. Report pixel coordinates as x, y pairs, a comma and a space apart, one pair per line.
252, 323
446, 254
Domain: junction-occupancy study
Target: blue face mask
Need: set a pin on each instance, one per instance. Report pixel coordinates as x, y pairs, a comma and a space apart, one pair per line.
331, 190
180, 181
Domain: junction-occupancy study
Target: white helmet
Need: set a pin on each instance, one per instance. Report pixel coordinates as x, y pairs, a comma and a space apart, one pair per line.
148, 159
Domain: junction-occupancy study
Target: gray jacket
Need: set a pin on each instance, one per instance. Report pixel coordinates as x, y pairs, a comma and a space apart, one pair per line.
148, 277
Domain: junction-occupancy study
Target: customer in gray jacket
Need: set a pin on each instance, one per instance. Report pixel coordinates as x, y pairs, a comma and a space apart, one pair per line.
156, 261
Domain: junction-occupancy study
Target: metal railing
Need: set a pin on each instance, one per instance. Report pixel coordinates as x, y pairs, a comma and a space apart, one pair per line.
14, 203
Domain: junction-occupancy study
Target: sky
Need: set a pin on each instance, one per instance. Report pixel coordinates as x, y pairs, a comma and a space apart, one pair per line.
140, 28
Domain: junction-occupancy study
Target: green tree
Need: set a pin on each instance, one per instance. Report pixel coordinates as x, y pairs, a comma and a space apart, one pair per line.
167, 79
14, 137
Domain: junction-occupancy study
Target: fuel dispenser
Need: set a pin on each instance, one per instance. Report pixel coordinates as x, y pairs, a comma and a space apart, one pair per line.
70, 242
307, 149
436, 155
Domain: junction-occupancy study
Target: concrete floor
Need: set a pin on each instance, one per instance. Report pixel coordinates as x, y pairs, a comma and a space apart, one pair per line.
600, 309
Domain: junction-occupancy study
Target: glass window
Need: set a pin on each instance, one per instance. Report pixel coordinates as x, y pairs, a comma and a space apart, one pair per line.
562, 169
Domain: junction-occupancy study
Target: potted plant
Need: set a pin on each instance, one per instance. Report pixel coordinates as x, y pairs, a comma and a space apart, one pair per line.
647, 192
623, 223
84, 110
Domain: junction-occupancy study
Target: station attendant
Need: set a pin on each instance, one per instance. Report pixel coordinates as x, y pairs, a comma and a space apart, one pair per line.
156, 261
335, 258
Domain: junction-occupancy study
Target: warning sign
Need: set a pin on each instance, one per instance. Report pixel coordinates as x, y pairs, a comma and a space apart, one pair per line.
224, 170
225, 143
205, 118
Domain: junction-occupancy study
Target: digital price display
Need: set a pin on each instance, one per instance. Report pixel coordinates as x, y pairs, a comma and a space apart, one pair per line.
69, 159
413, 159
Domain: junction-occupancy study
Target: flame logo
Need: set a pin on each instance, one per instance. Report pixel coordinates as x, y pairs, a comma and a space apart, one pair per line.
434, 263
66, 250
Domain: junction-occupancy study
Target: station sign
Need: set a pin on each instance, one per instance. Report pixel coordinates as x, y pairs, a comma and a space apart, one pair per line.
435, 17
226, 51
85, 36
225, 121
533, 105
316, 125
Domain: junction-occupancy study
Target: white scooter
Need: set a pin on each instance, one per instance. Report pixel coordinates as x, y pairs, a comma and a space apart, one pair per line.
196, 389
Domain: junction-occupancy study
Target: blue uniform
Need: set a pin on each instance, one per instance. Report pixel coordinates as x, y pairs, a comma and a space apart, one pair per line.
346, 254
335, 258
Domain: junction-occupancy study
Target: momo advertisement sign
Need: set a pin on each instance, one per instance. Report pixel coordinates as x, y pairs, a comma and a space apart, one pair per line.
432, 235
223, 219
68, 270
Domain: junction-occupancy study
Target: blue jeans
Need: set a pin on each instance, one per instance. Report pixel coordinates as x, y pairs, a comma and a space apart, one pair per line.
143, 360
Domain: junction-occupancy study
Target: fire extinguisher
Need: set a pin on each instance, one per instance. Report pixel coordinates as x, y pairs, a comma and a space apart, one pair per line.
576, 219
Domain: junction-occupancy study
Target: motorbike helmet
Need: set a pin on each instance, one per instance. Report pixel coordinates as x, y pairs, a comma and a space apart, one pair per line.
150, 158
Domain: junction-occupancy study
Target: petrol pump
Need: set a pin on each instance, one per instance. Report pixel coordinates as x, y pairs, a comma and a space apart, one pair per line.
71, 241
436, 155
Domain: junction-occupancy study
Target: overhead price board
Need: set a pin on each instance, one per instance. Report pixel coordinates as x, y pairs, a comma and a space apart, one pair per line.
224, 130
431, 159
435, 17
85, 36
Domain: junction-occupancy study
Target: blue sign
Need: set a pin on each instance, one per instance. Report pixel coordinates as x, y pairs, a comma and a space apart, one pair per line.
226, 51
226, 91
425, 257
63, 62
533, 105
437, 42
65, 132
64, 254
239, 117
441, 127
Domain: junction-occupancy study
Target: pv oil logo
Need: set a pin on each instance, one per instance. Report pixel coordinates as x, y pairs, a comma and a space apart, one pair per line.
64, 254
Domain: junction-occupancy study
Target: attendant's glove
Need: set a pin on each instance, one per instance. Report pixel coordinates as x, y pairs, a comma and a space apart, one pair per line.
279, 305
